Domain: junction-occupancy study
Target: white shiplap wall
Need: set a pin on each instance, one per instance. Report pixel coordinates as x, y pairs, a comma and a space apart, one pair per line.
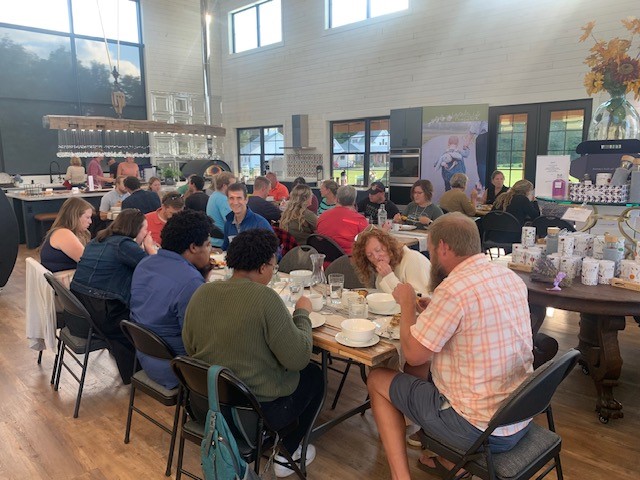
499, 52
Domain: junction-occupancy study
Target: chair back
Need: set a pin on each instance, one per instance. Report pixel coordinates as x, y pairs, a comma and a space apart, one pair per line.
325, 245
69, 301
146, 341
287, 241
543, 222
192, 375
344, 266
9, 240
534, 395
500, 229
299, 258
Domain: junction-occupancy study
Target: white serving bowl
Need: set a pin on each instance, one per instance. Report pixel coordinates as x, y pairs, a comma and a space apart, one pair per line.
303, 277
359, 330
382, 303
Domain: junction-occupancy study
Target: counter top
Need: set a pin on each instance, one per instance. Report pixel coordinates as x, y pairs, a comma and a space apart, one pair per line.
56, 195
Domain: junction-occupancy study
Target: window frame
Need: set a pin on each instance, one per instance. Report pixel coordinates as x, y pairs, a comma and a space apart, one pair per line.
232, 27
262, 154
368, 17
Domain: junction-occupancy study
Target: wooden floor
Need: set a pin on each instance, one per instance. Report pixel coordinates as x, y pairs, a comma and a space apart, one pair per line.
41, 440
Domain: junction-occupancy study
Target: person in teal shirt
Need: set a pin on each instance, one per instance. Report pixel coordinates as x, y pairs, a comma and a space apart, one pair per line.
218, 205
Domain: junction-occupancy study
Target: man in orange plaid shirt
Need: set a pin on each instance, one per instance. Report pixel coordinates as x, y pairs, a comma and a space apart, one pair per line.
476, 333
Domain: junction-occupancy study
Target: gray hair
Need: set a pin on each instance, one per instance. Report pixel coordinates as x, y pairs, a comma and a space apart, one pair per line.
346, 196
459, 180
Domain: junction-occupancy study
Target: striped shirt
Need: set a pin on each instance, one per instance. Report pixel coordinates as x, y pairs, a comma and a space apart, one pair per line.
479, 328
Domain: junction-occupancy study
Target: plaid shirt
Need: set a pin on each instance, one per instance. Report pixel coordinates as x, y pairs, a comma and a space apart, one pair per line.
287, 241
478, 326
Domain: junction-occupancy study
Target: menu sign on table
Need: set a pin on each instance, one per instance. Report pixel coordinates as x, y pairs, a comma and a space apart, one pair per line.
548, 169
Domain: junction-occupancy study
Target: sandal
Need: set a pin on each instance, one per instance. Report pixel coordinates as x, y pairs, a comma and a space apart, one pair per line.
440, 470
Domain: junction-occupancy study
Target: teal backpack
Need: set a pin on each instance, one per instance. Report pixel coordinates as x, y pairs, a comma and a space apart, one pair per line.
221, 459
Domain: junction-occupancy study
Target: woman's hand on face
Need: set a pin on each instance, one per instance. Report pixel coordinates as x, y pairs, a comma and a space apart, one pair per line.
383, 269
148, 244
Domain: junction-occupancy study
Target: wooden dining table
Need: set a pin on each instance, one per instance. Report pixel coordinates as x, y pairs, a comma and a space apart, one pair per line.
602, 310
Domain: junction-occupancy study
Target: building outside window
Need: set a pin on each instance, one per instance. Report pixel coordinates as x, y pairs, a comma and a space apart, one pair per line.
258, 148
361, 149
345, 12
255, 26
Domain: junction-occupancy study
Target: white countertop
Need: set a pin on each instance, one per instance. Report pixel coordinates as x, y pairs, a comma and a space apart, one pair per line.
56, 195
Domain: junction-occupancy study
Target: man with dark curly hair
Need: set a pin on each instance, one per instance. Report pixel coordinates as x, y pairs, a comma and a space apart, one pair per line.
245, 326
162, 288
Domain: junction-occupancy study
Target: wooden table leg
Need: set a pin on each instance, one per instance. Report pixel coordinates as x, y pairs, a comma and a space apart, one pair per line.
598, 343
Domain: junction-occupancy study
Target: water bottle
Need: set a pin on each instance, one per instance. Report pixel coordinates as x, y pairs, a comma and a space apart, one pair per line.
382, 215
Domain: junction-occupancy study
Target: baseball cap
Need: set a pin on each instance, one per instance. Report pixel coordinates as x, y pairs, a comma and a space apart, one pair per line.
376, 187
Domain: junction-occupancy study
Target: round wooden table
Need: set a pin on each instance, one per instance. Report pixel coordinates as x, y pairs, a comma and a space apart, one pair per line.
602, 311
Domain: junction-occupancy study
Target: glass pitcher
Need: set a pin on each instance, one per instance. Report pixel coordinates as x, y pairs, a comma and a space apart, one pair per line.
317, 260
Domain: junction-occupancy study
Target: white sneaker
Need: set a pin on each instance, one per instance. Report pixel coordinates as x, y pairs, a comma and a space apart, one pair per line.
282, 471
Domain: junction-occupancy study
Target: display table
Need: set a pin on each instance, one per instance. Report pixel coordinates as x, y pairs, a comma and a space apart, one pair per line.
602, 311
26, 207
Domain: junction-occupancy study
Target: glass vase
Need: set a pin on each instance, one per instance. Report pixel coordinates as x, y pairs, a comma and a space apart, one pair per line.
615, 119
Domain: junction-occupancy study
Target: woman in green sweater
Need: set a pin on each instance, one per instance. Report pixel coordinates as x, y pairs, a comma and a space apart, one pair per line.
245, 326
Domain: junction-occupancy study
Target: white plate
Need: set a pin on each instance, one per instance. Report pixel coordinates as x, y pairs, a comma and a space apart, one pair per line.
317, 319
393, 311
381, 326
408, 227
342, 340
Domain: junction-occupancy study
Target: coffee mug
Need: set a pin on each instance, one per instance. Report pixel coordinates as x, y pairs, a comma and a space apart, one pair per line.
317, 301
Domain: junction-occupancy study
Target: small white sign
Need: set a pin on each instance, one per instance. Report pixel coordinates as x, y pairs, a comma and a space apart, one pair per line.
576, 214
548, 169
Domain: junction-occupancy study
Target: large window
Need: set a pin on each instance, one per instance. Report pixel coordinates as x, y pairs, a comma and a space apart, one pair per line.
344, 12
259, 147
255, 26
361, 149
52, 66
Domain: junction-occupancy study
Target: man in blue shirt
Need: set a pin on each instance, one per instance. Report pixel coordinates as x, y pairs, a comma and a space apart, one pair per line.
144, 200
218, 206
163, 285
241, 217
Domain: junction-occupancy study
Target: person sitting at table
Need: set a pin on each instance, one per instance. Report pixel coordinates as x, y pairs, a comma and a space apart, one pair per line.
420, 210
197, 198
218, 204
143, 200
244, 325
163, 284
241, 217
519, 201
313, 206
258, 200
128, 168
172, 203
328, 190
342, 223
478, 315
380, 257
103, 282
297, 219
496, 188
278, 191
113, 198
75, 172
370, 205
155, 185
64, 244
455, 200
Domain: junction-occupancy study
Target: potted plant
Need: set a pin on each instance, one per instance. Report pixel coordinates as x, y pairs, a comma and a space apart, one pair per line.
170, 175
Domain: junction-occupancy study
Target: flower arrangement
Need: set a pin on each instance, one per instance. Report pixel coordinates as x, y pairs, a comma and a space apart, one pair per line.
613, 68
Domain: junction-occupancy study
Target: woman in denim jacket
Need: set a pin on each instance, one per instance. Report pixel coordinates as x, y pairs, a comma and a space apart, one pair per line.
103, 282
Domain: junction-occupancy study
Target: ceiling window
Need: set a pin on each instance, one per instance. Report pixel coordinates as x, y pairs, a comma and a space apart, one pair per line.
344, 12
256, 26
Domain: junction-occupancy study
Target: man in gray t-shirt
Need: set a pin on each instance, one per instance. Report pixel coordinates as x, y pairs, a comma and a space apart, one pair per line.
112, 198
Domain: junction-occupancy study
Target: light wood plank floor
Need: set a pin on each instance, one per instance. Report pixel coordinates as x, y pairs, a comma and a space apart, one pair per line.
41, 440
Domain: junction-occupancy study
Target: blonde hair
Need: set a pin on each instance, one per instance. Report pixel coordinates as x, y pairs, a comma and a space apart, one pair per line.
521, 187
361, 263
69, 217
459, 180
296, 206
75, 161
221, 179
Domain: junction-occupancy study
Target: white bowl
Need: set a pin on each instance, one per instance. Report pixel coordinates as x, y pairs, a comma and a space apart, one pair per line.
359, 330
303, 277
382, 303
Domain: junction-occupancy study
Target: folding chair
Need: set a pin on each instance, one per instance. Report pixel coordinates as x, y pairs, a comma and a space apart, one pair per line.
71, 344
298, 258
326, 245
500, 230
344, 266
150, 344
538, 446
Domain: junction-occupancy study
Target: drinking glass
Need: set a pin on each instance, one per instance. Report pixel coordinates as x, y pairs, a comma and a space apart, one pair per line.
358, 307
295, 291
336, 284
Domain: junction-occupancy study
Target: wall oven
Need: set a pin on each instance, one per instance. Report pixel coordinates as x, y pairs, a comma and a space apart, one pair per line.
404, 165
400, 194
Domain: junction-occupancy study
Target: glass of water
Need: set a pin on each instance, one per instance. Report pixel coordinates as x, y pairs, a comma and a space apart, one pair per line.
358, 307
295, 292
336, 284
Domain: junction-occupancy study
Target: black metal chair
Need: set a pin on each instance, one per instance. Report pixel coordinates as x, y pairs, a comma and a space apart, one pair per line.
9, 240
325, 245
298, 258
500, 230
344, 266
150, 344
71, 344
538, 446
543, 222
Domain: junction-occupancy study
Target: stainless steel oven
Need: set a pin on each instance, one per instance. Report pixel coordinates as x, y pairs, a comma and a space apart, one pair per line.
400, 194
404, 165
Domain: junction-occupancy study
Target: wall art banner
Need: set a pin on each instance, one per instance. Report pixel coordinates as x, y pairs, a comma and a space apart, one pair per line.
454, 140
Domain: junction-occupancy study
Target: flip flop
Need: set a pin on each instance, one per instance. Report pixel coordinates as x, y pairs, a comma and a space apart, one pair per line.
440, 470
